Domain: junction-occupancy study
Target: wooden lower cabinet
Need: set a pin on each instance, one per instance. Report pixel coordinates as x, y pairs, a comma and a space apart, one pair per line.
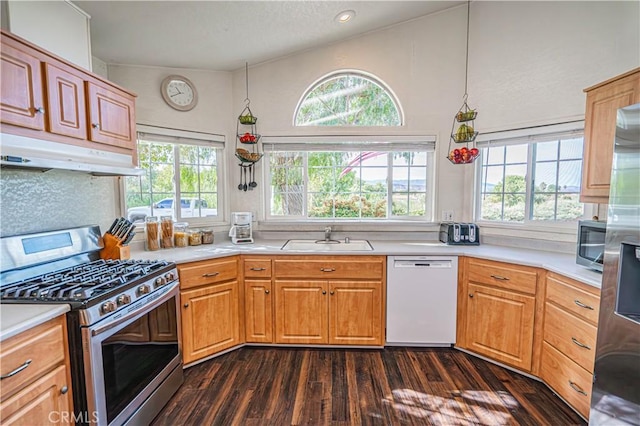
500, 325
258, 302
39, 390
302, 312
210, 320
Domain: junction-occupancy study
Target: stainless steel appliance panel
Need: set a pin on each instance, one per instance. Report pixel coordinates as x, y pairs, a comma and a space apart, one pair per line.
616, 388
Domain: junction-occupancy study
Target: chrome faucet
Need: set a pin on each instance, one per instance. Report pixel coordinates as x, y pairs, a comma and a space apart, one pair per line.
327, 233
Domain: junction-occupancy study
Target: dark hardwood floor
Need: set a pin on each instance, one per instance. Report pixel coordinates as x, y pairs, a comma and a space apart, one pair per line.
394, 386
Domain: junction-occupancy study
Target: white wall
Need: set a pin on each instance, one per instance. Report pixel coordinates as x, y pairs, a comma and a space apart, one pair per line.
530, 61
57, 26
100, 67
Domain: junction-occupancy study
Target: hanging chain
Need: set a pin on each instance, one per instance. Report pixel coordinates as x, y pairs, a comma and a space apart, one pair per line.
246, 78
466, 67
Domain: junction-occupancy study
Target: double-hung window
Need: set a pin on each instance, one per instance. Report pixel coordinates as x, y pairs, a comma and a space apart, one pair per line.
181, 176
530, 179
350, 178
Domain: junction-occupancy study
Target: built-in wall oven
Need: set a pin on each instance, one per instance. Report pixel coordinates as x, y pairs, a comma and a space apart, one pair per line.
123, 327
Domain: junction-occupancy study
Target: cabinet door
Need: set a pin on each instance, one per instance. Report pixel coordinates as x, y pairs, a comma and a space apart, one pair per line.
45, 401
21, 84
209, 320
355, 313
599, 132
111, 117
301, 312
500, 325
258, 311
66, 109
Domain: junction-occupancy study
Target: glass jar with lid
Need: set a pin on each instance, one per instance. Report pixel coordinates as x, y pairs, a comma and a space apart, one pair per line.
180, 234
166, 232
195, 237
151, 233
207, 235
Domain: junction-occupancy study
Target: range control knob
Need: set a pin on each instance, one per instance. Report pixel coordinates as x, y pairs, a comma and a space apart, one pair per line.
107, 307
123, 299
160, 281
169, 276
143, 289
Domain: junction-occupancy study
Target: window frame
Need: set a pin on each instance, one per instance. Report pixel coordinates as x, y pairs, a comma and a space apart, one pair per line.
346, 72
521, 137
333, 143
187, 137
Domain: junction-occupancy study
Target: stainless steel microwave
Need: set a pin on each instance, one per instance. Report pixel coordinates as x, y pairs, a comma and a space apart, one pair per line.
590, 247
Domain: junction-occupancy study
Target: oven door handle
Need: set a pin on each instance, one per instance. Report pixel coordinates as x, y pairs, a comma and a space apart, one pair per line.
171, 291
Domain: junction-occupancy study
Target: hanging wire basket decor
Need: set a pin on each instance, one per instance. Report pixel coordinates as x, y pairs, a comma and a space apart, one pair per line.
462, 132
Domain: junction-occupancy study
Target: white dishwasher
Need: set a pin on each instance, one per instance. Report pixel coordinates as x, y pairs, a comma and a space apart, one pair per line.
421, 300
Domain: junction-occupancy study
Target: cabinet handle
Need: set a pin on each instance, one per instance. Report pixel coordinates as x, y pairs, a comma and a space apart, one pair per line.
266, 291
332, 292
64, 390
498, 277
327, 269
186, 305
40, 110
577, 342
582, 305
577, 388
471, 295
324, 291
211, 274
258, 269
17, 370
95, 125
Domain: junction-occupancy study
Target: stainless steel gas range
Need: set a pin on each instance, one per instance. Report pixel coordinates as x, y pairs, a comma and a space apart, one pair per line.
123, 325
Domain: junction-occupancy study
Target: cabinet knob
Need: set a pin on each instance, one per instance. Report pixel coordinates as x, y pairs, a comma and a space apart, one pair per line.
40, 110
324, 291
266, 291
471, 295
332, 292
186, 305
95, 125
64, 390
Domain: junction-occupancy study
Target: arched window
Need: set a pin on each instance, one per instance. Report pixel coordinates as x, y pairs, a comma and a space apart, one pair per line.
348, 98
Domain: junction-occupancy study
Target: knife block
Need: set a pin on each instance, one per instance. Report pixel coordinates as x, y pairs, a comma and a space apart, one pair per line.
113, 249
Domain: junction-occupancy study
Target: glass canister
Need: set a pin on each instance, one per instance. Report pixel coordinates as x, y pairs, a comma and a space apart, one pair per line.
180, 234
151, 233
195, 237
207, 235
166, 232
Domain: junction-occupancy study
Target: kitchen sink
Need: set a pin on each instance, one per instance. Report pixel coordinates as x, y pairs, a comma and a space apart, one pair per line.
327, 245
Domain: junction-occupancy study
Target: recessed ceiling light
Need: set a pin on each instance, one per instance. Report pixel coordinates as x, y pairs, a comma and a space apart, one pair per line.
345, 16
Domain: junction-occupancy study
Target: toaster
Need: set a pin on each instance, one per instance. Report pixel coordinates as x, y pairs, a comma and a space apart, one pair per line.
460, 234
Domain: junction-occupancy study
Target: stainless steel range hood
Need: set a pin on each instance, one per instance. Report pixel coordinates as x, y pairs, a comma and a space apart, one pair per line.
23, 152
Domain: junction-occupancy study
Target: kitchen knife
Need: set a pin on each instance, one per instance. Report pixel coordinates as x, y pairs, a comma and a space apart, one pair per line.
113, 225
126, 225
129, 237
126, 230
120, 226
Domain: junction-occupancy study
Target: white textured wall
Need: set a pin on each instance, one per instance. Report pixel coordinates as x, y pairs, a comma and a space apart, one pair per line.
99, 67
55, 25
34, 201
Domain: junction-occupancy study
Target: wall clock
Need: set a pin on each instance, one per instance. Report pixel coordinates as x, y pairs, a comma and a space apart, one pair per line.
179, 93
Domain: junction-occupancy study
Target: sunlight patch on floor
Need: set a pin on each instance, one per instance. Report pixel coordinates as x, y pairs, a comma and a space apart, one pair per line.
462, 408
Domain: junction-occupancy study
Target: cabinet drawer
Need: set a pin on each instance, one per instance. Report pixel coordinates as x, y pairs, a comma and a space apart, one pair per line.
257, 268
568, 379
573, 297
40, 349
504, 275
570, 335
362, 267
208, 272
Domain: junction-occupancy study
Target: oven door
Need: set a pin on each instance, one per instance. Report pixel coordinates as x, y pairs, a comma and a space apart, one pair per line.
128, 359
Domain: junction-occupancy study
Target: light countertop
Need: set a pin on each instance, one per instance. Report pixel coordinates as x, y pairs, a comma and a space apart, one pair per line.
564, 264
14, 319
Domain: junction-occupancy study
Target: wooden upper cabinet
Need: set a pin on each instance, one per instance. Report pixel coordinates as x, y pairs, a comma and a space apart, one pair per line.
66, 103
111, 117
22, 95
603, 102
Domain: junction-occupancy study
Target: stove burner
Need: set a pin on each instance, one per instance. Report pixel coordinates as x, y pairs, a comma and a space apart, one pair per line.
82, 282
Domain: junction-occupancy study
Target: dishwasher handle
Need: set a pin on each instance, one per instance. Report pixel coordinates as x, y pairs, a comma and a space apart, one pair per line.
433, 264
